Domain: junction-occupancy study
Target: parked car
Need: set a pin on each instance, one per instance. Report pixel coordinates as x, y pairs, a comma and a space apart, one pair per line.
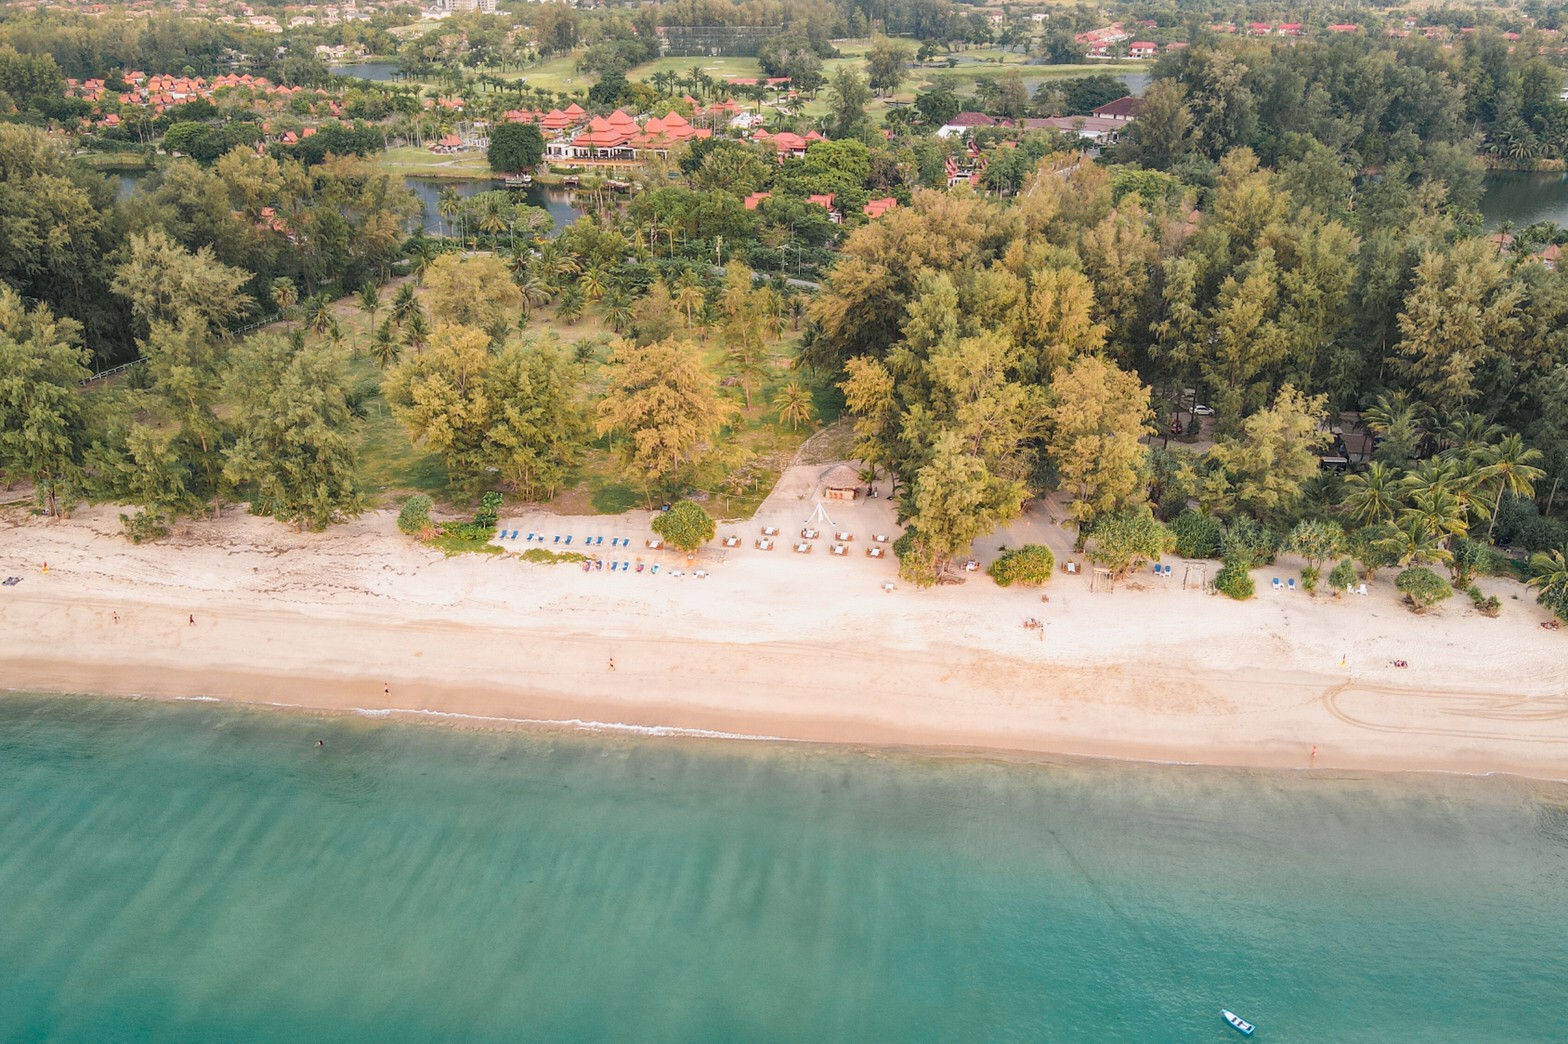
1203, 411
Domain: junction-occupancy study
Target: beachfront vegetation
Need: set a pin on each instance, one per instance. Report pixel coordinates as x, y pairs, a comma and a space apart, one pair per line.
686, 526
1422, 588
1027, 566
414, 518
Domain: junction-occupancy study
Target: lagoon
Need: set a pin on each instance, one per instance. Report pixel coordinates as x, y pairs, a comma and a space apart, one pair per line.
1524, 198
202, 871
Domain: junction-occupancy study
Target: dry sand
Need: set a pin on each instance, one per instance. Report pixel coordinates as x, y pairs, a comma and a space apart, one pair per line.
783, 645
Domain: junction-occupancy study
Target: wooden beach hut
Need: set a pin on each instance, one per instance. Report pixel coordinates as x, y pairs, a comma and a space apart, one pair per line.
840, 482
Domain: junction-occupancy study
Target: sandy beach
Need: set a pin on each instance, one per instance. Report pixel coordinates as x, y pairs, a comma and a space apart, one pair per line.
783, 645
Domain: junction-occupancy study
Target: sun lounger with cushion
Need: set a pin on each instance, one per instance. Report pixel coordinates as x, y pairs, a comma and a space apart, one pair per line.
1276, 583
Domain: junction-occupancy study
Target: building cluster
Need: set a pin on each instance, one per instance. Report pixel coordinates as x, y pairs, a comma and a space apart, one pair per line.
573, 136
1110, 42
1103, 126
157, 93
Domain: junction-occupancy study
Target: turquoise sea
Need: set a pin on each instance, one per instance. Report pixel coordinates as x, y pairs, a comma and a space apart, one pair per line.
196, 871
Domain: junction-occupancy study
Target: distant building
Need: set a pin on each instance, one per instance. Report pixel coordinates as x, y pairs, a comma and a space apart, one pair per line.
964, 123
1124, 109
471, 6
1142, 49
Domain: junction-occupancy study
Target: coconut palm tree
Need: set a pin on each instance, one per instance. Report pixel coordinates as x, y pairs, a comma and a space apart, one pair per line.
794, 405
1373, 496
493, 220
369, 301
1467, 433
536, 292
1510, 466
416, 332
383, 345
595, 283
571, 307
284, 294
404, 304
1438, 511
689, 297
617, 310
449, 204
1411, 542
319, 315
1549, 576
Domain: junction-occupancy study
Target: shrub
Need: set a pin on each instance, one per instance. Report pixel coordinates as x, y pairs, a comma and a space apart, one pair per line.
414, 519
1486, 606
1469, 558
1029, 566
1422, 588
686, 526
489, 510
1342, 576
1234, 580
1197, 535
1309, 579
142, 527
1249, 542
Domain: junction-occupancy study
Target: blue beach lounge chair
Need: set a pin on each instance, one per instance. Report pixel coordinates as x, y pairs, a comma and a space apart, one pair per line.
1291, 583
597, 541
1276, 583
569, 540
655, 569
557, 538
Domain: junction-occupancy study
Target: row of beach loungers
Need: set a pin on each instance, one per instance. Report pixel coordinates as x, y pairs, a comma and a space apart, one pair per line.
588, 541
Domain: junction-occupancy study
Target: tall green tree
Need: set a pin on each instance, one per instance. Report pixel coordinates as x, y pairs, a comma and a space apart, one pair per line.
1096, 421
43, 418
295, 445
663, 406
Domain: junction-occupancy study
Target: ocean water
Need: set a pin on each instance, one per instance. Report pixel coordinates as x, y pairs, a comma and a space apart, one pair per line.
203, 872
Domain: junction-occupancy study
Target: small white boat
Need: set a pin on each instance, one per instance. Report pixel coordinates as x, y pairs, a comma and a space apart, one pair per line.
1241, 1025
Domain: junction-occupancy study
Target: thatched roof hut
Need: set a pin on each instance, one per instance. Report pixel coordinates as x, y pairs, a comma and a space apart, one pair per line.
840, 482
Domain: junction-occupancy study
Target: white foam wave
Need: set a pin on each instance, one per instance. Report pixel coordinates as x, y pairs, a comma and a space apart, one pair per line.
578, 724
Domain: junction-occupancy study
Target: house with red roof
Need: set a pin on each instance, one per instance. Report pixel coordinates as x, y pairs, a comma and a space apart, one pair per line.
1142, 49
877, 207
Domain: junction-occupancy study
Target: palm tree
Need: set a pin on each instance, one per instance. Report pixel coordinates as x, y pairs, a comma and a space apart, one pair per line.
1438, 511
617, 310
493, 222
320, 316
370, 301
536, 292
1510, 465
450, 206
1412, 543
689, 297
1372, 496
1549, 571
794, 405
383, 345
595, 283
284, 294
416, 333
1468, 433
571, 307
404, 304
335, 335
1397, 422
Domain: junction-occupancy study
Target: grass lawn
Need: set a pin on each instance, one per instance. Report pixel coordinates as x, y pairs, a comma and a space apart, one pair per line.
413, 160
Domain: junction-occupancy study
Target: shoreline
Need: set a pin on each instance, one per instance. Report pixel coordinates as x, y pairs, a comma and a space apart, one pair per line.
805, 648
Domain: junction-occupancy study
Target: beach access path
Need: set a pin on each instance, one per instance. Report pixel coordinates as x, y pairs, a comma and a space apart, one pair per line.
775, 644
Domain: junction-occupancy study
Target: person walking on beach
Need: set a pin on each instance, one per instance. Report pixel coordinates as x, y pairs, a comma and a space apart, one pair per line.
612, 663
1313, 761
192, 618
116, 616
386, 690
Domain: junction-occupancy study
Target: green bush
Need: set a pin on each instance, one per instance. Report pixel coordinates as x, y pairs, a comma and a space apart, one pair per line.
414, 519
489, 512
1028, 566
1234, 580
1309, 578
1250, 542
144, 526
1342, 576
1422, 588
1197, 535
1484, 604
542, 556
